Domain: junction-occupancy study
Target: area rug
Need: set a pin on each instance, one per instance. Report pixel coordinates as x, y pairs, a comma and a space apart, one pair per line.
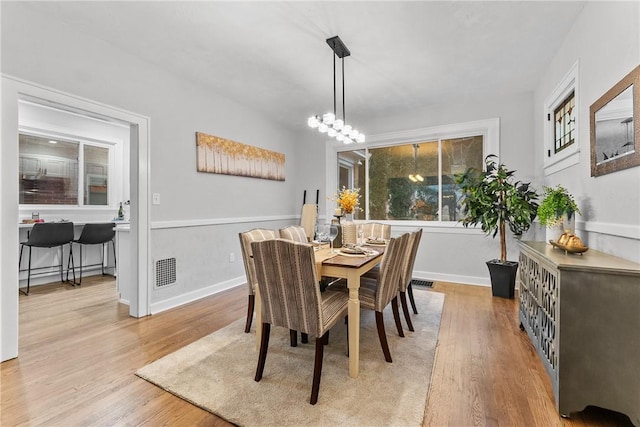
216, 373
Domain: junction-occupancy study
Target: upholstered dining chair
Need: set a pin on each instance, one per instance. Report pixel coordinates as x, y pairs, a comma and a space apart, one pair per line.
376, 294
286, 275
246, 238
406, 276
308, 220
295, 233
47, 235
376, 229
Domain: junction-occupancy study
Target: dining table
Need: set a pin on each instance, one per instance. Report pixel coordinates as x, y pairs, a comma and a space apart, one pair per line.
336, 263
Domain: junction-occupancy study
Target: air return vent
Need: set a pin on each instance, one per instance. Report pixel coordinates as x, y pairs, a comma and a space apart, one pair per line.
165, 272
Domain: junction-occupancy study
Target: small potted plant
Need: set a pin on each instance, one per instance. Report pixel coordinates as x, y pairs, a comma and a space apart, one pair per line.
557, 211
493, 199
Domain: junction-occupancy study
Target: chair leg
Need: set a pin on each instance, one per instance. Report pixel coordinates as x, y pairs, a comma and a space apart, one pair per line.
346, 324
383, 337
317, 369
264, 345
413, 302
405, 310
293, 337
304, 338
252, 301
396, 315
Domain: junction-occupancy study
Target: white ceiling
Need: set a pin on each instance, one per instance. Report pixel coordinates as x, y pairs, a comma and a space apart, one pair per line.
273, 55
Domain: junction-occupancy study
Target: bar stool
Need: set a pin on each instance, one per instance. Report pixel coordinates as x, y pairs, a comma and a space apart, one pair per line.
47, 235
93, 234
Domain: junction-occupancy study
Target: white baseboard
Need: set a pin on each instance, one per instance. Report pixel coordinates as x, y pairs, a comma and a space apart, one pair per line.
452, 278
188, 297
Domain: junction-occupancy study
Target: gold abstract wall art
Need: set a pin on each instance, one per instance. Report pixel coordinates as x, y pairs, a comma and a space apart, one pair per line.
219, 155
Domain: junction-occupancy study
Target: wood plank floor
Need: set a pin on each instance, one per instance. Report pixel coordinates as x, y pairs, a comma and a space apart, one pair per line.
79, 350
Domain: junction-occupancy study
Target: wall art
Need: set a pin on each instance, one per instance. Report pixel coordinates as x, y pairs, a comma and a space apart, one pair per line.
223, 156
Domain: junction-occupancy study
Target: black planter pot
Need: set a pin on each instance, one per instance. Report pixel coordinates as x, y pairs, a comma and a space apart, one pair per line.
503, 278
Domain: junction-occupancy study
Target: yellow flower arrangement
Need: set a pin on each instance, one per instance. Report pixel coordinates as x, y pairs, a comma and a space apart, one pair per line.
348, 199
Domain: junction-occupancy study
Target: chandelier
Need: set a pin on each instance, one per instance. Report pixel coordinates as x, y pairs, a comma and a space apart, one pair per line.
328, 123
415, 176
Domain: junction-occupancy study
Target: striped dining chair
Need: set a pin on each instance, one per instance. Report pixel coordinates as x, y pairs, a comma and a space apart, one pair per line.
377, 293
406, 276
376, 230
295, 233
287, 280
246, 238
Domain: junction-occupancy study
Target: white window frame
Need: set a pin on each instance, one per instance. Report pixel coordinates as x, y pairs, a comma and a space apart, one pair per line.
75, 127
569, 156
489, 129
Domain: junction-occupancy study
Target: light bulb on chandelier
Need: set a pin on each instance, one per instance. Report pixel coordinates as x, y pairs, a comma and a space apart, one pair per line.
328, 123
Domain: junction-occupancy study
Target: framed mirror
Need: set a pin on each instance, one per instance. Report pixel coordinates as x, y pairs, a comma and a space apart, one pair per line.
615, 132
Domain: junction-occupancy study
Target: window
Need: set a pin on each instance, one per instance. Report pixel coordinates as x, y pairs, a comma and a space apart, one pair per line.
560, 136
565, 124
414, 179
56, 171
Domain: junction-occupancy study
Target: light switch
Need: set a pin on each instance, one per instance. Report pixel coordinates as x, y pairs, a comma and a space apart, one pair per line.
156, 198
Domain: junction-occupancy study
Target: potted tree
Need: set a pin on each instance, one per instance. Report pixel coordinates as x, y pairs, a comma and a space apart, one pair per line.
493, 199
557, 211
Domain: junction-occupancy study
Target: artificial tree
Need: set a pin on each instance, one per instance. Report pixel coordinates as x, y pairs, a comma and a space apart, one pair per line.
495, 200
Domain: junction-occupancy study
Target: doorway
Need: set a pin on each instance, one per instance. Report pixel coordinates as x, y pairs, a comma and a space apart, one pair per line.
13, 92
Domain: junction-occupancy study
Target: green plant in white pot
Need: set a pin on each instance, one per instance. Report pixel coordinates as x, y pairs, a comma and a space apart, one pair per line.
557, 211
493, 199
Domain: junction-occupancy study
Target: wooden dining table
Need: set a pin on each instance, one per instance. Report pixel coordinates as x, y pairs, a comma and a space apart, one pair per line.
350, 267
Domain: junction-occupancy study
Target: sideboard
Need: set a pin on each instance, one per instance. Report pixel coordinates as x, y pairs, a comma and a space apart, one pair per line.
582, 313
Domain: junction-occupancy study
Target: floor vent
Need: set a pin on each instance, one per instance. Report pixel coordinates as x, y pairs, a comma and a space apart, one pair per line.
165, 272
416, 282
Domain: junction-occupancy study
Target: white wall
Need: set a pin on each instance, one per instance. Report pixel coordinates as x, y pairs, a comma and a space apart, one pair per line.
606, 40
61, 58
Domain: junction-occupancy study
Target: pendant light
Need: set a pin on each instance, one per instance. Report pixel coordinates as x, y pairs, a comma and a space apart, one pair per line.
415, 176
329, 123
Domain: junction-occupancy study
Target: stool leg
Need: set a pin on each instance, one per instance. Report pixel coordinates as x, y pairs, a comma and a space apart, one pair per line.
20, 265
113, 244
80, 279
29, 273
102, 258
61, 262
73, 264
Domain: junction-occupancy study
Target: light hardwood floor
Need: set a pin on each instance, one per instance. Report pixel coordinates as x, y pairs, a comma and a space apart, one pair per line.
79, 350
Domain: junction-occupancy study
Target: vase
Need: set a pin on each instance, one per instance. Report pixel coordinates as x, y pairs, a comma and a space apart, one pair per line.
349, 230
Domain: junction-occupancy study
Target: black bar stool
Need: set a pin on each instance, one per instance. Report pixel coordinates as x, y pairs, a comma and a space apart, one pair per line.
93, 234
47, 235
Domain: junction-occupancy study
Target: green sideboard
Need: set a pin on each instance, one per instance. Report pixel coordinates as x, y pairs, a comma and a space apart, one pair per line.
582, 313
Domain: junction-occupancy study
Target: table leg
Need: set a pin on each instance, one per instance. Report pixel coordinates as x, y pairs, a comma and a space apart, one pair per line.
353, 307
258, 320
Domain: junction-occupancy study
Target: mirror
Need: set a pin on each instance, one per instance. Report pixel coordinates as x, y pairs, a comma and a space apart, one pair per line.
615, 132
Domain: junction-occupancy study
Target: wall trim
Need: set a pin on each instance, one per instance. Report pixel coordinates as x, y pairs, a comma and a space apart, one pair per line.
620, 230
195, 295
158, 225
